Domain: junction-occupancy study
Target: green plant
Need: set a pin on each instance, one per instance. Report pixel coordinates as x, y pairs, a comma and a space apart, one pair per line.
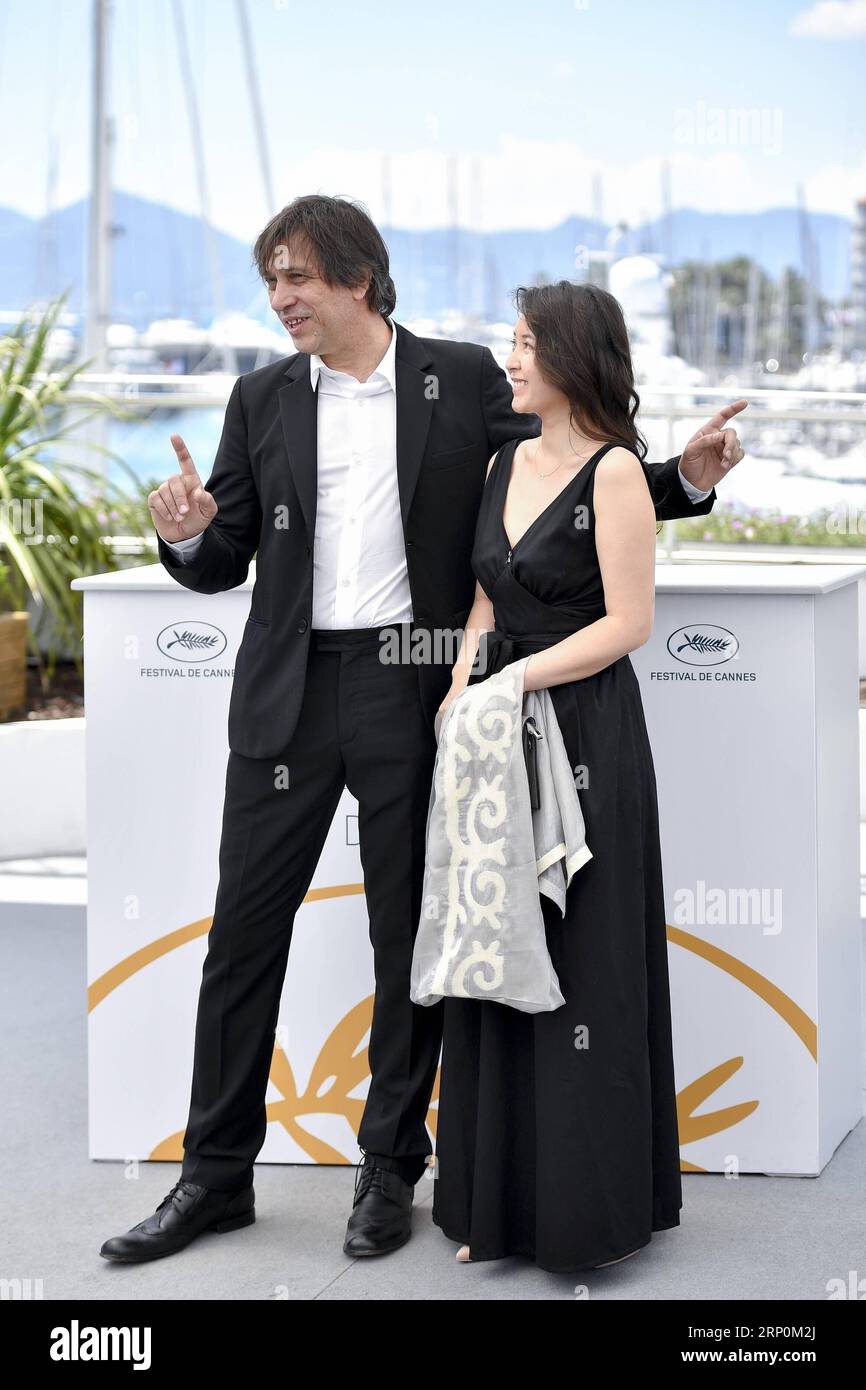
732, 522
53, 511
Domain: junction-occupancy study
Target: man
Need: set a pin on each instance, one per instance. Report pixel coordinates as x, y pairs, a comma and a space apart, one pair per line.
353, 472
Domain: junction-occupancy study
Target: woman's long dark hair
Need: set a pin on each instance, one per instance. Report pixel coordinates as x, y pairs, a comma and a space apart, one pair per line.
582, 348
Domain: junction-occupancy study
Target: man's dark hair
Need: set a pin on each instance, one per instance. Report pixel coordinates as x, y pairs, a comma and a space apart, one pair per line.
343, 240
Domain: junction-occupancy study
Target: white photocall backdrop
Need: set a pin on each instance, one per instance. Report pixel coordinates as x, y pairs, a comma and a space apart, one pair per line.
750, 690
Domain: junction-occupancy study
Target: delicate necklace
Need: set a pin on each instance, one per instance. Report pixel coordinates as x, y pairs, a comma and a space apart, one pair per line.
550, 471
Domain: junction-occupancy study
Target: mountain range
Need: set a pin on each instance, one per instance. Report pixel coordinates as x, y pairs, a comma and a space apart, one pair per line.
161, 261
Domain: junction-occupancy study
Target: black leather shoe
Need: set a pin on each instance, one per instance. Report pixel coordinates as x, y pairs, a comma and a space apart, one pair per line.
381, 1219
181, 1216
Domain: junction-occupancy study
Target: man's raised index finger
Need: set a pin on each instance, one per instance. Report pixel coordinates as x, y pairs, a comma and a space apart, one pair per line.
184, 457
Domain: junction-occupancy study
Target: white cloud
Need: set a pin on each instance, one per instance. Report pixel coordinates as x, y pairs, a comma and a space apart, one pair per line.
532, 183
831, 19
836, 188
519, 183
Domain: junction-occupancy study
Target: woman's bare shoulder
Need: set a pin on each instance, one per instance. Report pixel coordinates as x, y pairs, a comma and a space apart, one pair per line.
620, 462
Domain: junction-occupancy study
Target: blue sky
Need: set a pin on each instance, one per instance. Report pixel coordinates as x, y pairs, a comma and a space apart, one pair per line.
523, 102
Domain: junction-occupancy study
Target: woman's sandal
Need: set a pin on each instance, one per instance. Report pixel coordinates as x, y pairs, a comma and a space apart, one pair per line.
463, 1255
621, 1258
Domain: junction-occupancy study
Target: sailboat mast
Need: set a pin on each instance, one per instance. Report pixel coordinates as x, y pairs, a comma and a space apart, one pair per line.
256, 106
98, 306
227, 352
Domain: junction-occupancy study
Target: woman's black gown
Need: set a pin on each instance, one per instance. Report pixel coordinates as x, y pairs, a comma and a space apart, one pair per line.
557, 1132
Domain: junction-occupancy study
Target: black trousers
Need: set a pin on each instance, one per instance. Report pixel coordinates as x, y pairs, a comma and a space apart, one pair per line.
361, 726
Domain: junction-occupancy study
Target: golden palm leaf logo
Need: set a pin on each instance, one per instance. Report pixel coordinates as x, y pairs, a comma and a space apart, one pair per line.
341, 1066
343, 1063
692, 1126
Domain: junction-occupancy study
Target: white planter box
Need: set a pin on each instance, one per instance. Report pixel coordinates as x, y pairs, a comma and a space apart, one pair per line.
42, 775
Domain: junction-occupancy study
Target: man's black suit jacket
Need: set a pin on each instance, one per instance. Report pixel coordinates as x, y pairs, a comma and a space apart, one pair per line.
453, 412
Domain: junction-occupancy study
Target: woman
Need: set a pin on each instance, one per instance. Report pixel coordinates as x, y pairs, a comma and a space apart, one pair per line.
557, 1132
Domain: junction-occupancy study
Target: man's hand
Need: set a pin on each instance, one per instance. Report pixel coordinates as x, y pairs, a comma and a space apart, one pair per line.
180, 508
713, 451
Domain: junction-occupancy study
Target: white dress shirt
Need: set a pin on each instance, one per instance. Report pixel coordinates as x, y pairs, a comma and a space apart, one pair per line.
360, 578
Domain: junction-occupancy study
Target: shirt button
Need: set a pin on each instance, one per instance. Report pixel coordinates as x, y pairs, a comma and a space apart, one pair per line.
346, 583
302, 625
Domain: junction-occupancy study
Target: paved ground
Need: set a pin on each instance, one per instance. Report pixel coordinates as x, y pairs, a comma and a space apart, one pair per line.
756, 1237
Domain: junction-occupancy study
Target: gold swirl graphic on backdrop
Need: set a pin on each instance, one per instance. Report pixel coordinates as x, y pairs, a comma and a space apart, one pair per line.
343, 1064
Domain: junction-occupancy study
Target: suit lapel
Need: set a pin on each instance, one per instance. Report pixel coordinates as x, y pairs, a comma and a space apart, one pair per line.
298, 415
299, 418
415, 395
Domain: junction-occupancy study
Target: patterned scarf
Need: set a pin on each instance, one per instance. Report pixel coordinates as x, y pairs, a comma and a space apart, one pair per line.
490, 854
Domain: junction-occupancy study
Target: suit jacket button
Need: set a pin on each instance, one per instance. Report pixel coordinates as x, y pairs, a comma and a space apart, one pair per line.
302, 625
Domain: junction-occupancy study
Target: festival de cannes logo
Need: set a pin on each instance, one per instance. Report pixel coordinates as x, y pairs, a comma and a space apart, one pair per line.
191, 641
703, 644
